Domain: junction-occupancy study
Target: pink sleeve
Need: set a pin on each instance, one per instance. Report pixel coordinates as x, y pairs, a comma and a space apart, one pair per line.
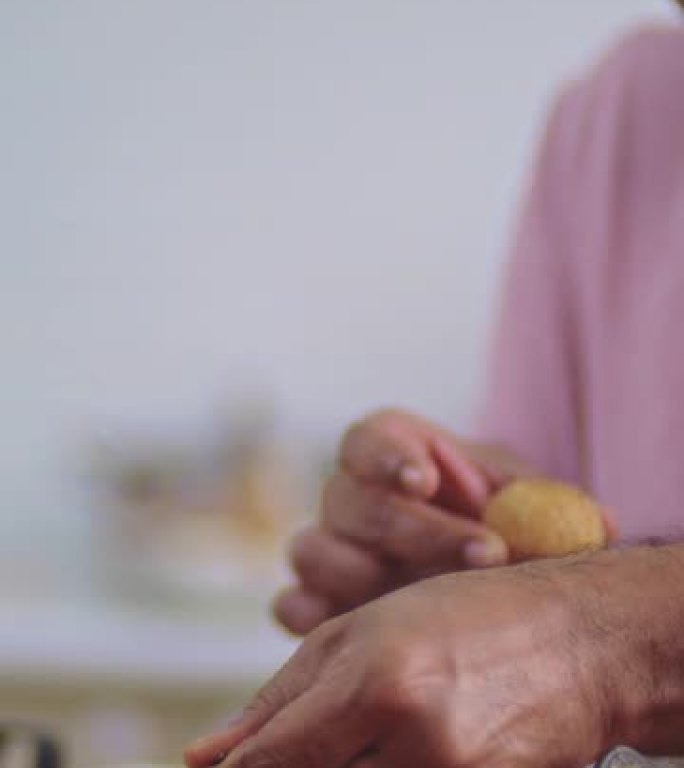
531, 402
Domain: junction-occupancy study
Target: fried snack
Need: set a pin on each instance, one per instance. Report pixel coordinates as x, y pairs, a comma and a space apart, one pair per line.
542, 518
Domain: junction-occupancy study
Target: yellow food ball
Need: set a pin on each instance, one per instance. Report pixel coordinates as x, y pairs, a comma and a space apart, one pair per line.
542, 518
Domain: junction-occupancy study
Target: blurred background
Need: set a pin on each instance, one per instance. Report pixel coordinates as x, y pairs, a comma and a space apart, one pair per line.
227, 229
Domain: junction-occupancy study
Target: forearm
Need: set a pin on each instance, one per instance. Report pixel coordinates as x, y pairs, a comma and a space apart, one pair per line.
630, 607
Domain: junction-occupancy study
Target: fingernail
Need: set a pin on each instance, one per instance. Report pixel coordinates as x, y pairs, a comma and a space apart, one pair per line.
411, 476
218, 759
484, 553
390, 464
201, 743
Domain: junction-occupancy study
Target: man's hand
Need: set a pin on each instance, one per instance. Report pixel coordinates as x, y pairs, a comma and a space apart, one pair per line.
404, 504
544, 665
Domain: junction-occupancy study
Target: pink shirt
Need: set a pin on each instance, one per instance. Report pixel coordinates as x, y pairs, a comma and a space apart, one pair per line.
587, 375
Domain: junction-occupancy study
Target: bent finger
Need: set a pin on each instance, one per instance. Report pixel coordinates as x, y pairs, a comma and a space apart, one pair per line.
417, 535
338, 569
390, 448
301, 611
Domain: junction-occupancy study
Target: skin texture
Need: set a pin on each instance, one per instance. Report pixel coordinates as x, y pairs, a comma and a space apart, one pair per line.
541, 665
405, 503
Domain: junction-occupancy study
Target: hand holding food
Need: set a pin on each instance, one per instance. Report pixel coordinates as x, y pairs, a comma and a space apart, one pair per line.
404, 503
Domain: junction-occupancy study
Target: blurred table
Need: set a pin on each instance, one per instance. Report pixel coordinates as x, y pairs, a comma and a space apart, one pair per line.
119, 685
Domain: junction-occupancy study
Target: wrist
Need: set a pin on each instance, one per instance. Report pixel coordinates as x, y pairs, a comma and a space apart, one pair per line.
628, 607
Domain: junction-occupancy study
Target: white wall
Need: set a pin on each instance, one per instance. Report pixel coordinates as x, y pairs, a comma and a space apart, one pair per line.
313, 195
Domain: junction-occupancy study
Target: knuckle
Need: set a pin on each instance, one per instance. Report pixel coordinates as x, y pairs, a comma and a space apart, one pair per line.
310, 559
259, 757
303, 544
385, 420
394, 691
397, 699
353, 437
380, 516
268, 699
414, 706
